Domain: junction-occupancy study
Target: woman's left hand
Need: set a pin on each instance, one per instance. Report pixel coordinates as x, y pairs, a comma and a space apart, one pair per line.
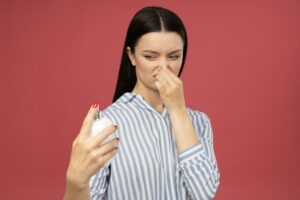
170, 88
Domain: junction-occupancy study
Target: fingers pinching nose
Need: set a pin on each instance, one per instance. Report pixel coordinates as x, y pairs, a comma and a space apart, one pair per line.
157, 72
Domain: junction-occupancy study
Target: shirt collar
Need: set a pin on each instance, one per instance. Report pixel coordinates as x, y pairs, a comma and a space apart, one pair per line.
138, 100
128, 96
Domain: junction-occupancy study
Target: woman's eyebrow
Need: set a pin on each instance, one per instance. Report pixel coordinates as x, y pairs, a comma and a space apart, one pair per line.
151, 51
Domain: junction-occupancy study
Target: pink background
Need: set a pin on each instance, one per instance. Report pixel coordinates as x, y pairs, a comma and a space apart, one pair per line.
242, 69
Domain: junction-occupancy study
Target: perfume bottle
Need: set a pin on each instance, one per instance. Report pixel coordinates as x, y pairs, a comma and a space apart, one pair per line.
101, 122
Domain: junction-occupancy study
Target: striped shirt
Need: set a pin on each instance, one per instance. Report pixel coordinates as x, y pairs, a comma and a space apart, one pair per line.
147, 165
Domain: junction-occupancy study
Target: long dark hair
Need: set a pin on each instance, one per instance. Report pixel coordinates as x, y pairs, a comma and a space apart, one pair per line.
148, 19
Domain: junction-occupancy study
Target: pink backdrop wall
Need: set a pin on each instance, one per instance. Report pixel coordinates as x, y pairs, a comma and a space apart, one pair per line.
242, 69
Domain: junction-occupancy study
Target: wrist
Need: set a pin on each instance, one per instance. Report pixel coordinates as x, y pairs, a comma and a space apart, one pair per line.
76, 192
178, 111
75, 182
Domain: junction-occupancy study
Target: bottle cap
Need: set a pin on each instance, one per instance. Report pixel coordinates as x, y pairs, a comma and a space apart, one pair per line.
97, 115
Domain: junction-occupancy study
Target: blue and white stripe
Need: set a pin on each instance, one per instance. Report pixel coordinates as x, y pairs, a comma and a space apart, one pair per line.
147, 165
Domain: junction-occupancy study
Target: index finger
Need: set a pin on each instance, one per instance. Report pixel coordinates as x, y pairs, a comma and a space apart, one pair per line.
170, 74
88, 120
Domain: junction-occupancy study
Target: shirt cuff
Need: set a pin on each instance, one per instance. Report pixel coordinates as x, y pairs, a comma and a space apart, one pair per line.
190, 153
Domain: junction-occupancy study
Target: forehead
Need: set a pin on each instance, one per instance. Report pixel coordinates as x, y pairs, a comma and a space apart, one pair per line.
160, 41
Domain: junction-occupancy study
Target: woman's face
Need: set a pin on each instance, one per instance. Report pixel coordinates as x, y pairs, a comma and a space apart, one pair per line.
156, 50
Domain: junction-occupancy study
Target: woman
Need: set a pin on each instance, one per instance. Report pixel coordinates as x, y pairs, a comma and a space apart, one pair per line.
165, 150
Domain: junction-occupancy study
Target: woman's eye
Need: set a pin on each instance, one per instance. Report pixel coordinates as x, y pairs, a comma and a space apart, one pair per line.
174, 57
149, 57
153, 57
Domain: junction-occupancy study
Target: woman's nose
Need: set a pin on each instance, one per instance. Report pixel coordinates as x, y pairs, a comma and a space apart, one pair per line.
163, 63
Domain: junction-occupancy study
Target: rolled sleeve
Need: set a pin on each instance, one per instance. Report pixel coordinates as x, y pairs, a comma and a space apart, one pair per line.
98, 184
198, 165
188, 155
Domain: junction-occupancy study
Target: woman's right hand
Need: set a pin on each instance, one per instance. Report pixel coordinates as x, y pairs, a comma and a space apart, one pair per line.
87, 155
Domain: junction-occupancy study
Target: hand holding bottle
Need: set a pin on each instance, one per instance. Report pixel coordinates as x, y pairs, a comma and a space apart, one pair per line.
88, 154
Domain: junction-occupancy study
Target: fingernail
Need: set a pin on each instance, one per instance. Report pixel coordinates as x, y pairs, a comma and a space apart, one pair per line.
95, 105
118, 138
115, 126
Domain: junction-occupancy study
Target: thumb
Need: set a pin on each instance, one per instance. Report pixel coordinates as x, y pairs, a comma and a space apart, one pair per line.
88, 120
159, 87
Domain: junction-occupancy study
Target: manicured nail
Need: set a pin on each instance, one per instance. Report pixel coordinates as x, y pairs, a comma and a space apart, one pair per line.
115, 126
95, 105
117, 138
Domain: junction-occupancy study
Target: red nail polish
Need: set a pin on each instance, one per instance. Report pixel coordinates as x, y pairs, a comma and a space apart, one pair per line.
95, 105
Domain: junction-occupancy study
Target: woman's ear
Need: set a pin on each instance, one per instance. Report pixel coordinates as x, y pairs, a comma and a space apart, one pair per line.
130, 55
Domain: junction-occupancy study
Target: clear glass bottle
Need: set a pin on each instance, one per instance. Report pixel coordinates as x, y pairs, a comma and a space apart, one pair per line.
101, 122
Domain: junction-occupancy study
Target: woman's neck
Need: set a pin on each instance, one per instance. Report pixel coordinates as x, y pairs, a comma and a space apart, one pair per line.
152, 97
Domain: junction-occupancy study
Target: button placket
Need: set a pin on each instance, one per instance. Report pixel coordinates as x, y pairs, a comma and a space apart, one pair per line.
163, 118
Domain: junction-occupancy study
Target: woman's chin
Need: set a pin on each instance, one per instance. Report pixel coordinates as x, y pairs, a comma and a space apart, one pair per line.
155, 89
